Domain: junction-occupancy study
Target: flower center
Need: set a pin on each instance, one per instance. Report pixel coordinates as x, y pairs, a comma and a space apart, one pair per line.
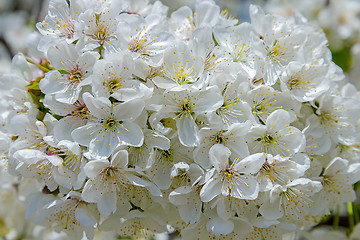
75, 75
218, 138
110, 123
185, 107
239, 53
182, 77
292, 83
81, 111
228, 174
275, 52
138, 45
167, 155
112, 84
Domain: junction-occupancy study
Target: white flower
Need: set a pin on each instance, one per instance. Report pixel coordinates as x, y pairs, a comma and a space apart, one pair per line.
181, 67
60, 24
281, 171
70, 174
235, 108
232, 179
111, 125
305, 82
33, 151
281, 43
184, 105
74, 115
337, 180
232, 138
186, 196
107, 178
100, 28
294, 200
203, 46
145, 156
335, 116
277, 136
145, 39
183, 22
112, 77
70, 214
237, 43
70, 75
163, 160
264, 100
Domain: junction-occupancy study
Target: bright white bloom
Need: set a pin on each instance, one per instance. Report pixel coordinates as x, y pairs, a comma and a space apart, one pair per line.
238, 45
60, 24
232, 179
184, 105
186, 196
70, 214
264, 100
70, 74
235, 108
33, 151
305, 82
294, 200
145, 156
99, 29
183, 22
232, 138
281, 44
337, 180
75, 115
113, 78
110, 125
335, 116
107, 178
181, 67
145, 39
277, 136
281, 171
163, 160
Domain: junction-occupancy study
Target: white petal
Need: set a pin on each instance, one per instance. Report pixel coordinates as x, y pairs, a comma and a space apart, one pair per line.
219, 156
219, 226
251, 164
180, 195
130, 133
210, 190
279, 118
120, 159
91, 192
84, 217
187, 130
190, 213
99, 107
94, 168
107, 203
29, 156
129, 110
271, 210
245, 187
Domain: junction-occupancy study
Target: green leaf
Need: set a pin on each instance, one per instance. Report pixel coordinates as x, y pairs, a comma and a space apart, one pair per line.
342, 58
63, 71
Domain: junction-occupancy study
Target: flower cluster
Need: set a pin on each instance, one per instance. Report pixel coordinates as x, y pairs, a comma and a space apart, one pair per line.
340, 20
133, 121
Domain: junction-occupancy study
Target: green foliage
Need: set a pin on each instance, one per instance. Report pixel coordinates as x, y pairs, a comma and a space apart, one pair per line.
342, 57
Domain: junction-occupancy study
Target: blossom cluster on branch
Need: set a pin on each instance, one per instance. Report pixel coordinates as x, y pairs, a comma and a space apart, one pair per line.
133, 121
